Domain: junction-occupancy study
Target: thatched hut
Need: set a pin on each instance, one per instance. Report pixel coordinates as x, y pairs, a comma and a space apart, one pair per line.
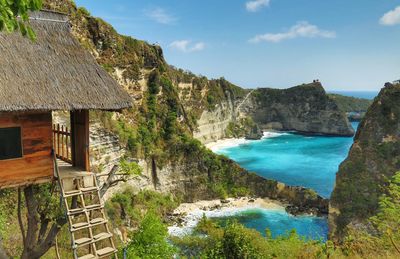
53, 73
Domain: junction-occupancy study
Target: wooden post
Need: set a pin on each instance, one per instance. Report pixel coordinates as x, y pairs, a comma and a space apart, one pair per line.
54, 138
80, 139
62, 141
66, 142
58, 139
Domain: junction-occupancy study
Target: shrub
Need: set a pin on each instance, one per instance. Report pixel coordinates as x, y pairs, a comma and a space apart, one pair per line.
149, 241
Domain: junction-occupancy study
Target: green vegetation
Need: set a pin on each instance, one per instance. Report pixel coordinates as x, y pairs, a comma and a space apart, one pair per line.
14, 16
128, 208
372, 162
237, 241
159, 129
150, 240
240, 128
350, 104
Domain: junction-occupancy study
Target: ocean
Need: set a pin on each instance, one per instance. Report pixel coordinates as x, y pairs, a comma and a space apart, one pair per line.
308, 161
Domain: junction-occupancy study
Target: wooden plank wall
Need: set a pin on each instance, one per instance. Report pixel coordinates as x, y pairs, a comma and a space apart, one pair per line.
36, 165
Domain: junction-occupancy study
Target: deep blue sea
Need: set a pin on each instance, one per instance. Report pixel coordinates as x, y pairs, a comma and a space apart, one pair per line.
309, 161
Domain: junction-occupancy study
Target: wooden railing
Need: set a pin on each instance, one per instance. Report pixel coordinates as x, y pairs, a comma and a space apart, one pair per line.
62, 142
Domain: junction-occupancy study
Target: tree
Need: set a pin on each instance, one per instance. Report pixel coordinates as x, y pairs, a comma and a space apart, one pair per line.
387, 221
150, 241
14, 16
46, 216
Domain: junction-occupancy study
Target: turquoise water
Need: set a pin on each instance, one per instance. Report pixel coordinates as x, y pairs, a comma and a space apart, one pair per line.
280, 223
309, 161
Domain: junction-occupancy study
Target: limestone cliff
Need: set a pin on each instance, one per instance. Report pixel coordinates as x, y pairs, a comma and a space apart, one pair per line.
373, 159
212, 124
170, 107
305, 108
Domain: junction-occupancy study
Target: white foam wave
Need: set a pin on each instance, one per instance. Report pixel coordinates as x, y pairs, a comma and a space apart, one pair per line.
234, 142
273, 134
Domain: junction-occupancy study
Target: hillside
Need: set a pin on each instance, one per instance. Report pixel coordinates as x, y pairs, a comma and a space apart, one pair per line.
172, 108
304, 108
158, 131
351, 104
373, 159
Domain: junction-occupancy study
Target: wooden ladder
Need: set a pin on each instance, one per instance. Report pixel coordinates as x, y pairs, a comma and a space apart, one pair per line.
90, 234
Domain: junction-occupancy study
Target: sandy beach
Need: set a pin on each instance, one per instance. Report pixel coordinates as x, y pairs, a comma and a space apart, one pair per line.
190, 213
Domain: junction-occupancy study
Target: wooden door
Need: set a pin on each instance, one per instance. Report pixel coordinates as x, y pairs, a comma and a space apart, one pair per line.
80, 139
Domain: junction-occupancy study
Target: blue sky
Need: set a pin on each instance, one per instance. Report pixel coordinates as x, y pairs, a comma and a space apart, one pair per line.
347, 44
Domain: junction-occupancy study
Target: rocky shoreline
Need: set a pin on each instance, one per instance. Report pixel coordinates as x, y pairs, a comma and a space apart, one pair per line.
185, 218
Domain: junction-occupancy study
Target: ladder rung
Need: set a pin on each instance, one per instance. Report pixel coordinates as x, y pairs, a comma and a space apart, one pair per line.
89, 189
79, 226
101, 236
88, 256
98, 221
93, 206
71, 193
71, 213
105, 251
76, 210
74, 175
84, 209
82, 241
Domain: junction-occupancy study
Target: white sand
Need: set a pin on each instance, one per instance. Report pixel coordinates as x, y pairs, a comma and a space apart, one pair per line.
226, 143
191, 213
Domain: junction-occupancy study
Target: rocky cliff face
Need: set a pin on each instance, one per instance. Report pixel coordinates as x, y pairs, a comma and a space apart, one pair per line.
212, 125
304, 108
170, 107
373, 159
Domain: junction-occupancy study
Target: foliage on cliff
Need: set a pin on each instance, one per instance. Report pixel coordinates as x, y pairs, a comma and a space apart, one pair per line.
350, 104
373, 159
304, 108
167, 104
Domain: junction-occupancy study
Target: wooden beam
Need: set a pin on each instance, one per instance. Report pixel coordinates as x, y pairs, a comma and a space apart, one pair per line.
80, 139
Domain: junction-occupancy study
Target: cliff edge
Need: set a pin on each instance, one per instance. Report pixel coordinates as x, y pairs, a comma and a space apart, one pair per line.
372, 161
305, 108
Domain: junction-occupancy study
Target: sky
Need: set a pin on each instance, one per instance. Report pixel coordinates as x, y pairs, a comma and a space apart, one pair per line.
346, 44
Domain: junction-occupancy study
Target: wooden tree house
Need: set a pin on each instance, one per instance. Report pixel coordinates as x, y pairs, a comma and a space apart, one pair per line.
54, 73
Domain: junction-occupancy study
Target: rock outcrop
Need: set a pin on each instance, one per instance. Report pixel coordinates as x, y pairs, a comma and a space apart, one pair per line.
373, 159
212, 124
191, 181
304, 108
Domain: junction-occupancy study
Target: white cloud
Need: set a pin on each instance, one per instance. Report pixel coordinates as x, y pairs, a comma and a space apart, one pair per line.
161, 16
391, 18
255, 5
300, 30
187, 46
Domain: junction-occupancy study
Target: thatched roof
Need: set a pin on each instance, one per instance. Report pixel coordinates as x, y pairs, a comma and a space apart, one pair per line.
55, 72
